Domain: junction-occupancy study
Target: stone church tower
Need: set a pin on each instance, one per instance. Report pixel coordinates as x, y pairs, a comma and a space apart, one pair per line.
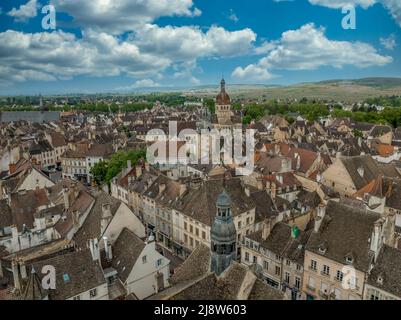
223, 235
223, 105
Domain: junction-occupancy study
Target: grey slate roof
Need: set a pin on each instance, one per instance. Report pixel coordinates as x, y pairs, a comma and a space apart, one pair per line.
83, 274
345, 230
378, 131
277, 240
262, 291
194, 281
201, 203
91, 226
32, 116
388, 268
296, 249
371, 169
126, 251
196, 265
265, 207
6, 218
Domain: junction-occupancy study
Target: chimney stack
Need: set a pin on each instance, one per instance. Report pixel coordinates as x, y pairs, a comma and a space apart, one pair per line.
321, 212
273, 190
376, 242
183, 188
94, 248
73, 191
23, 269
267, 228
14, 231
259, 184
298, 159
138, 171
14, 266
361, 171
107, 249
12, 167
75, 219
318, 222
66, 198
162, 187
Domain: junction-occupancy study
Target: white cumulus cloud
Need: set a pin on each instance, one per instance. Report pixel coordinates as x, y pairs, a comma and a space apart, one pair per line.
308, 48
336, 4
123, 15
25, 11
60, 55
389, 42
393, 6
147, 53
144, 83
189, 42
252, 72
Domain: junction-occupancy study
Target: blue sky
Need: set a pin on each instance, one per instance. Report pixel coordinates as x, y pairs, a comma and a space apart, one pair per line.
125, 45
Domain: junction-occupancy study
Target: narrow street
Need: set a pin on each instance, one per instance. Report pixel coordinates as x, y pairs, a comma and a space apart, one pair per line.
175, 261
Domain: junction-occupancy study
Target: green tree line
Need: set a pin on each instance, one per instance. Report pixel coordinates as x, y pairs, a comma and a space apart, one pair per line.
104, 171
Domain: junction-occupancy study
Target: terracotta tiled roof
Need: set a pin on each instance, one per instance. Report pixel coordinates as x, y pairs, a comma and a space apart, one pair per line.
385, 150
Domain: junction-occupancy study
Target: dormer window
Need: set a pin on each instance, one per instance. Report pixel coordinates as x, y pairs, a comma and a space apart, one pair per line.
323, 248
349, 259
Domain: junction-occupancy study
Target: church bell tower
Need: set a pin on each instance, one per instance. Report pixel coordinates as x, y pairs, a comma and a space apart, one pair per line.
223, 105
223, 235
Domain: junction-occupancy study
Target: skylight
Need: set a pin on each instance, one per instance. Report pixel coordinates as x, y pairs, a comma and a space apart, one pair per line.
66, 277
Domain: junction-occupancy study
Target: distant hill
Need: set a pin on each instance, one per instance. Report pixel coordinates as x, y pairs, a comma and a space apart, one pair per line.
383, 83
348, 91
338, 90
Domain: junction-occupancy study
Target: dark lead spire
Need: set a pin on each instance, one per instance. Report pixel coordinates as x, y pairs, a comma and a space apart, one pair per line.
223, 85
223, 235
